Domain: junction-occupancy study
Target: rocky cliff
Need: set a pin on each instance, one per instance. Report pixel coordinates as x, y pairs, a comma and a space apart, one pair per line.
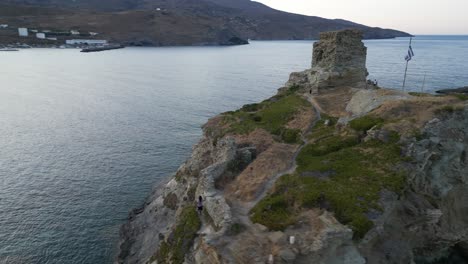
348, 174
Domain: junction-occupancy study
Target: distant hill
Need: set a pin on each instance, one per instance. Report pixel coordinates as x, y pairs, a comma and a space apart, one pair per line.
178, 22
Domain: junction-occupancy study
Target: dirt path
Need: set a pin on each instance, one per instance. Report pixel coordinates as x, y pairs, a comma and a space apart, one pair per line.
240, 210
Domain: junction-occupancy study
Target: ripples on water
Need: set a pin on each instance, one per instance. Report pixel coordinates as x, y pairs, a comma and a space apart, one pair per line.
84, 137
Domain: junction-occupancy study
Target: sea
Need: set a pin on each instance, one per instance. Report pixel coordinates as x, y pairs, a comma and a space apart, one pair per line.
85, 137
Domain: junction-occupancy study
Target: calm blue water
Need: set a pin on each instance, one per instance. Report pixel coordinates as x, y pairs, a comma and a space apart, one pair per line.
84, 137
444, 60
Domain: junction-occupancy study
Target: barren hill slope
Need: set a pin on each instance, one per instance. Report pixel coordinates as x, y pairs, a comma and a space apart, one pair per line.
179, 22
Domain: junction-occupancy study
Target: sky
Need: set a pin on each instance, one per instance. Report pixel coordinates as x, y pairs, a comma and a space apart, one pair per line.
413, 16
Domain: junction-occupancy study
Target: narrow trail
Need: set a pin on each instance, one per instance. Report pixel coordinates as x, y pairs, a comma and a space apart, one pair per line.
240, 210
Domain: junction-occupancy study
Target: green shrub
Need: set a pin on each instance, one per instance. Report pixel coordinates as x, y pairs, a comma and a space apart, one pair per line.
236, 228
271, 115
321, 130
325, 146
294, 88
274, 213
394, 137
291, 136
257, 118
365, 123
355, 173
250, 107
463, 97
236, 165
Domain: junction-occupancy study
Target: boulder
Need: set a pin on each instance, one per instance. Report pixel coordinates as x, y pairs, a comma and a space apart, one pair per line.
287, 255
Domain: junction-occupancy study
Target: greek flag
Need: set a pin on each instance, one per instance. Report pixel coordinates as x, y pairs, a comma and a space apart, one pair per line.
410, 54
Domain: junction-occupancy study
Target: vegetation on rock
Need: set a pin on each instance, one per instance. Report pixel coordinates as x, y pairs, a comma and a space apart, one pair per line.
236, 228
448, 109
170, 201
463, 97
339, 172
179, 242
325, 127
271, 115
365, 123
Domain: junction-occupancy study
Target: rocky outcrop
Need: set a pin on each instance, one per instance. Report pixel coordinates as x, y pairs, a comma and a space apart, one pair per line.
339, 59
462, 90
364, 101
429, 222
149, 226
261, 208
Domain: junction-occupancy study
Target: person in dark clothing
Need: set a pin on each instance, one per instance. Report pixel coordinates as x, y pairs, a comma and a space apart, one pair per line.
200, 204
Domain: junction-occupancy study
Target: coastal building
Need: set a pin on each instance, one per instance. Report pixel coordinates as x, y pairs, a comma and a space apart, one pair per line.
53, 38
40, 35
86, 42
3, 25
34, 30
23, 32
74, 32
93, 33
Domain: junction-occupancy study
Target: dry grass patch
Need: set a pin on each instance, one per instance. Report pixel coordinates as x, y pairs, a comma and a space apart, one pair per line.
248, 184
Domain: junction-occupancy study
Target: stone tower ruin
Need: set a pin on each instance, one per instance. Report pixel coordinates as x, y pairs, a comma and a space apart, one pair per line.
339, 59
342, 55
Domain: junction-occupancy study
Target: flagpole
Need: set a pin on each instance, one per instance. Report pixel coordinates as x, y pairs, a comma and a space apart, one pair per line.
424, 82
404, 80
406, 69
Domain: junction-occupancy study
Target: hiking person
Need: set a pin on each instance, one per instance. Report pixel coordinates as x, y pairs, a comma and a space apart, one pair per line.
200, 204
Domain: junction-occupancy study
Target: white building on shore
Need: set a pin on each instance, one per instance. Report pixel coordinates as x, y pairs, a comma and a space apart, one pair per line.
86, 42
40, 35
23, 32
3, 26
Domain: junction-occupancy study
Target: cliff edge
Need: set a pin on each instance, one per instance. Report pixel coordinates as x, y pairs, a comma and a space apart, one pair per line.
328, 170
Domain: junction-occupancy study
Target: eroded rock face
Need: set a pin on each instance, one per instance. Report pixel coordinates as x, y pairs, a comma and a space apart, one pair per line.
339, 59
429, 222
148, 226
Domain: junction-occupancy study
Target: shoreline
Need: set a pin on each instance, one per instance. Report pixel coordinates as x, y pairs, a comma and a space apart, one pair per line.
37, 45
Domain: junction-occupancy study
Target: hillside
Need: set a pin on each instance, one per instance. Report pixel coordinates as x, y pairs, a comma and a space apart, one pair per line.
178, 22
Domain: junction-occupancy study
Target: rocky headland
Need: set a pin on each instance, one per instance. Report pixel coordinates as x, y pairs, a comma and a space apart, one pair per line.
328, 170
165, 22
